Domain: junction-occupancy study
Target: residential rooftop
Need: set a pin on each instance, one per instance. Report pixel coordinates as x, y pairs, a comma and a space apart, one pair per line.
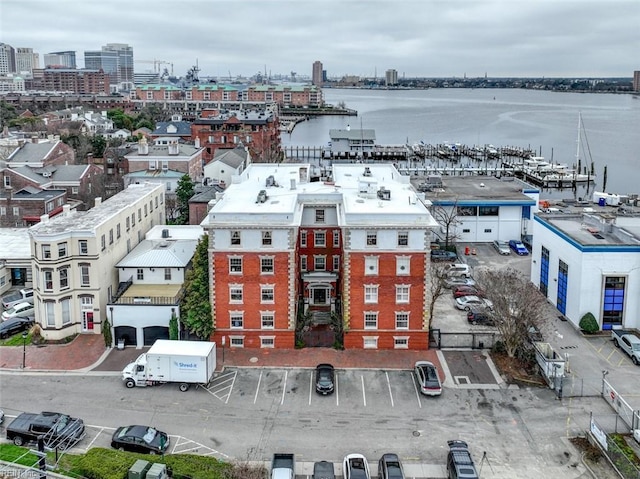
487, 190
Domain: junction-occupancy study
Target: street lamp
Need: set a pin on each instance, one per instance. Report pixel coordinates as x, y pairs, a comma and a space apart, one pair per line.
24, 348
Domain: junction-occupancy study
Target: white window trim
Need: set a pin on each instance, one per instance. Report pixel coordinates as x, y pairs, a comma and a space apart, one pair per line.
408, 288
400, 346
241, 288
267, 313
403, 262
241, 264
236, 313
267, 346
273, 265
371, 265
366, 339
364, 319
396, 320
271, 287
374, 286
233, 337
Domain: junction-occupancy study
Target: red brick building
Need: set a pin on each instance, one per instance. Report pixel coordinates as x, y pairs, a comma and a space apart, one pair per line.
289, 254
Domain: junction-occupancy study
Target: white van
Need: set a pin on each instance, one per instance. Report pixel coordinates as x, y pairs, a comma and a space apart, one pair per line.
458, 269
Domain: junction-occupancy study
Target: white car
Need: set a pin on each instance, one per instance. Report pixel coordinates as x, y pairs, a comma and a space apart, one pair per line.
355, 466
467, 302
458, 269
454, 281
502, 247
20, 310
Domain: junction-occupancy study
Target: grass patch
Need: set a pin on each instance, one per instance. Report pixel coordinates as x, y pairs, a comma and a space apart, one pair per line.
15, 340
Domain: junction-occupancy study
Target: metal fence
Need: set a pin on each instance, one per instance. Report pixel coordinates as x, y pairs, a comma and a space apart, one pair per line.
602, 435
572, 386
475, 340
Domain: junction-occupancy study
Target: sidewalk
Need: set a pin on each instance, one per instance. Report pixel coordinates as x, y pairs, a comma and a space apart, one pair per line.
88, 353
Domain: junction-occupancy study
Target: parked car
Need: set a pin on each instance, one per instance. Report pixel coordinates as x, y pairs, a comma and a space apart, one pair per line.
142, 439
323, 470
20, 310
518, 247
501, 247
456, 281
467, 291
458, 269
427, 375
1, 416
56, 429
21, 296
443, 255
466, 302
324, 379
390, 467
479, 316
355, 466
460, 464
15, 325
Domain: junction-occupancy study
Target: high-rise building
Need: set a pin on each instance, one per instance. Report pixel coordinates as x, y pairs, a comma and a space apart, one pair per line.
7, 59
317, 77
116, 60
26, 60
391, 77
636, 80
63, 59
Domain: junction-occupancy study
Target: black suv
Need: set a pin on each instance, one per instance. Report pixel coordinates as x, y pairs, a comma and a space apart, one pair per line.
58, 431
459, 461
443, 255
479, 316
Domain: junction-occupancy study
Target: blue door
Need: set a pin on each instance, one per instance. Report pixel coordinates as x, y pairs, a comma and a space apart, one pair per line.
563, 276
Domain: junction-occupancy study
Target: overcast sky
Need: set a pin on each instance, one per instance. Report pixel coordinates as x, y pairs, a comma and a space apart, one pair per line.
550, 38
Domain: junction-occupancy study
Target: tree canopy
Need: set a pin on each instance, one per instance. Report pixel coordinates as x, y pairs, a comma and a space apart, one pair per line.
184, 192
196, 306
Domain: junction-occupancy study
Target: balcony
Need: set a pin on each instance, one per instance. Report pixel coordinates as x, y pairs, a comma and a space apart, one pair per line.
151, 294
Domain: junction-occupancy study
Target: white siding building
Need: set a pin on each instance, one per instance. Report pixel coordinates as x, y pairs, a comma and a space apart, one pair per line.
74, 255
589, 262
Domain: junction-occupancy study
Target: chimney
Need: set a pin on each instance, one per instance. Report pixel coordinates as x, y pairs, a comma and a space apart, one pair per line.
174, 148
197, 142
34, 139
66, 210
143, 146
98, 201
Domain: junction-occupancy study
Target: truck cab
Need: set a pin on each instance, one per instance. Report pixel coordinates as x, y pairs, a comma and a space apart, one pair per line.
135, 373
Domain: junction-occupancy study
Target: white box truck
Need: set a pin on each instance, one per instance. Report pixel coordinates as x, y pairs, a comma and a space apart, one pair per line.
182, 362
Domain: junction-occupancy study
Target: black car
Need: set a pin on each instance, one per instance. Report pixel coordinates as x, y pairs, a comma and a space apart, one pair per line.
443, 255
323, 470
460, 464
14, 325
390, 467
324, 379
479, 316
142, 439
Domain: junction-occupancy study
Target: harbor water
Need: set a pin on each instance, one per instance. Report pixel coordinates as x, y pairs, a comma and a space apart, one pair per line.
542, 121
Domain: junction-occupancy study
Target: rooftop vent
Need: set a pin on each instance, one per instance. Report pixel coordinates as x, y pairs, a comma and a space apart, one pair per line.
271, 181
165, 233
367, 171
262, 196
384, 194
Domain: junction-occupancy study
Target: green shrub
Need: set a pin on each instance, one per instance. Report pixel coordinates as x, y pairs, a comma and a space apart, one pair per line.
589, 324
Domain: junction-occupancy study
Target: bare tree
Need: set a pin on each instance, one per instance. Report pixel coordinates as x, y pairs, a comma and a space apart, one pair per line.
447, 218
435, 285
517, 305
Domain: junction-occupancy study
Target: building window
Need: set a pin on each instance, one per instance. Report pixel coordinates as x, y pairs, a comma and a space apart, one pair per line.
336, 238
66, 315
235, 238
140, 274
62, 250
236, 319
303, 239
267, 294
266, 265
403, 265
370, 342
403, 238
267, 342
400, 343
319, 263
236, 341
111, 236
544, 271
319, 239
7, 181
563, 279
84, 276
488, 210
167, 274
235, 294
145, 211
46, 251
16, 211
235, 265
613, 302
267, 320
266, 238
49, 312
118, 231
402, 293
370, 265
48, 280
467, 211
3, 210
133, 219
370, 320
372, 238
371, 293
466, 230
64, 278
319, 216
487, 230
336, 263
303, 263
402, 320
128, 224
139, 215
103, 242
74, 190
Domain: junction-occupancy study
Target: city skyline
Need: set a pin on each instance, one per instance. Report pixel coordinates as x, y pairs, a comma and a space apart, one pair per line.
497, 38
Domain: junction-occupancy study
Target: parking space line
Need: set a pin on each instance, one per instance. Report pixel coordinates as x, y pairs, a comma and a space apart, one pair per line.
364, 395
255, 398
222, 389
336, 386
284, 387
310, 388
415, 388
389, 386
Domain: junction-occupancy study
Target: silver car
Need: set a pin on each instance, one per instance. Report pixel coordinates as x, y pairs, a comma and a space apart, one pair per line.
502, 247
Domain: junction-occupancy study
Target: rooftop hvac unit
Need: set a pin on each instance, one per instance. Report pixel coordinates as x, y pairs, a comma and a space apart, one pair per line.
384, 194
271, 181
262, 196
165, 233
367, 171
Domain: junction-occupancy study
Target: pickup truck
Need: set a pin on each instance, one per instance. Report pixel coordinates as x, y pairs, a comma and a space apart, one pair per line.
628, 342
58, 430
283, 466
